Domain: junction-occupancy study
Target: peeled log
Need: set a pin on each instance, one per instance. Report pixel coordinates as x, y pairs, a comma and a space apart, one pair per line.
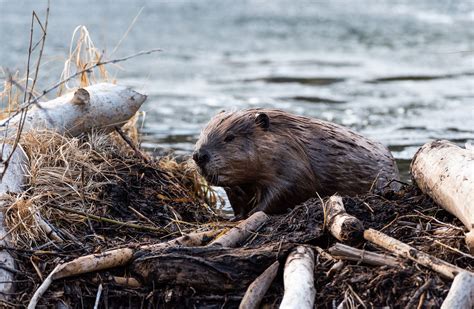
445, 172
13, 181
343, 226
298, 279
242, 231
461, 293
100, 106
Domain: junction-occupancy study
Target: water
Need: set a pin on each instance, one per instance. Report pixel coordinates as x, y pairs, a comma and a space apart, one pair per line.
401, 72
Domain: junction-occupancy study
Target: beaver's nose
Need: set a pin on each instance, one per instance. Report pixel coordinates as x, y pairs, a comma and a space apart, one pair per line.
201, 157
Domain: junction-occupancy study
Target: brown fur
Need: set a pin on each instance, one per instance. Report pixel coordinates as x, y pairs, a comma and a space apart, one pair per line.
274, 165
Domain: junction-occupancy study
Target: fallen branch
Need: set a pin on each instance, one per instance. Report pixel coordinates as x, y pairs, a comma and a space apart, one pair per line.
344, 227
399, 248
242, 231
298, 279
461, 293
256, 291
444, 171
345, 252
189, 240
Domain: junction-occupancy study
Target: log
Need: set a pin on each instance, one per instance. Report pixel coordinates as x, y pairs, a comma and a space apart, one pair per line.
444, 268
210, 269
101, 106
344, 227
344, 252
240, 233
298, 279
461, 293
256, 291
445, 172
13, 181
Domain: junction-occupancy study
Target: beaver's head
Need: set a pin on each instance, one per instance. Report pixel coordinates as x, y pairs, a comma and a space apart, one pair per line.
227, 151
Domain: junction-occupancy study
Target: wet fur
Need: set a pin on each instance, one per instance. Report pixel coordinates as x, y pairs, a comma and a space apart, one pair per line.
275, 168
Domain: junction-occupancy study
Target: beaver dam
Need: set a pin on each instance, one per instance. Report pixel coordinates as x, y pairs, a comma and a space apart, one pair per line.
89, 220
98, 195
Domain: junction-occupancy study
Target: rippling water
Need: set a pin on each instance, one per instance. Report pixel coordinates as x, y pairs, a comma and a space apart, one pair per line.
401, 72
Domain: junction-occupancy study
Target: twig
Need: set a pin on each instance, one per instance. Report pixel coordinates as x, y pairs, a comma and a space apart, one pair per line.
415, 298
112, 221
97, 298
137, 151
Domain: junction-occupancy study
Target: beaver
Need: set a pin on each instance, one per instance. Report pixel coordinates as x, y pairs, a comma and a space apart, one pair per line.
272, 160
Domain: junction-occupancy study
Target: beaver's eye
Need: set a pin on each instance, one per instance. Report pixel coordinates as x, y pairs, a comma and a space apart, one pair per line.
229, 138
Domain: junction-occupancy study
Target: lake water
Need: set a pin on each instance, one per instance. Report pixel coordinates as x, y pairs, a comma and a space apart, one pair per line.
401, 72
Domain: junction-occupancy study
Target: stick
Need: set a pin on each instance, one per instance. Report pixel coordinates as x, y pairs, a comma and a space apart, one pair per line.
97, 298
343, 226
416, 297
352, 254
444, 171
81, 265
298, 279
444, 268
242, 231
461, 293
256, 291
189, 240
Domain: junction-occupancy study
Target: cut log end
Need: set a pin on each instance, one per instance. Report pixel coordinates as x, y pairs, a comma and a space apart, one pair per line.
470, 241
344, 227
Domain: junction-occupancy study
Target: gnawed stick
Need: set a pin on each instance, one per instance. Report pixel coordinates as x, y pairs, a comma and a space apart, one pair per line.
345, 252
343, 226
81, 265
298, 279
242, 231
256, 291
189, 240
399, 248
444, 171
461, 293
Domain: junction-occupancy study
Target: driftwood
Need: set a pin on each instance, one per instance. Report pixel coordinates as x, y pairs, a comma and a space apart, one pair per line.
298, 279
444, 171
344, 252
393, 245
256, 291
209, 268
242, 231
344, 227
461, 293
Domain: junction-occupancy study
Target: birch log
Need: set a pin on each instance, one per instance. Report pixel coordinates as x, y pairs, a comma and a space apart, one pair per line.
445, 172
99, 106
298, 279
13, 181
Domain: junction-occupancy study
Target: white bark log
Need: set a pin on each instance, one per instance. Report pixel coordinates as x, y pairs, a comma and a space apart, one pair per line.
298, 279
100, 106
13, 181
445, 172
461, 293
242, 231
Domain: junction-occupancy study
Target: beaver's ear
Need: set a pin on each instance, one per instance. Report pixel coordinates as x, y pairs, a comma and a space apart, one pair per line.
262, 120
